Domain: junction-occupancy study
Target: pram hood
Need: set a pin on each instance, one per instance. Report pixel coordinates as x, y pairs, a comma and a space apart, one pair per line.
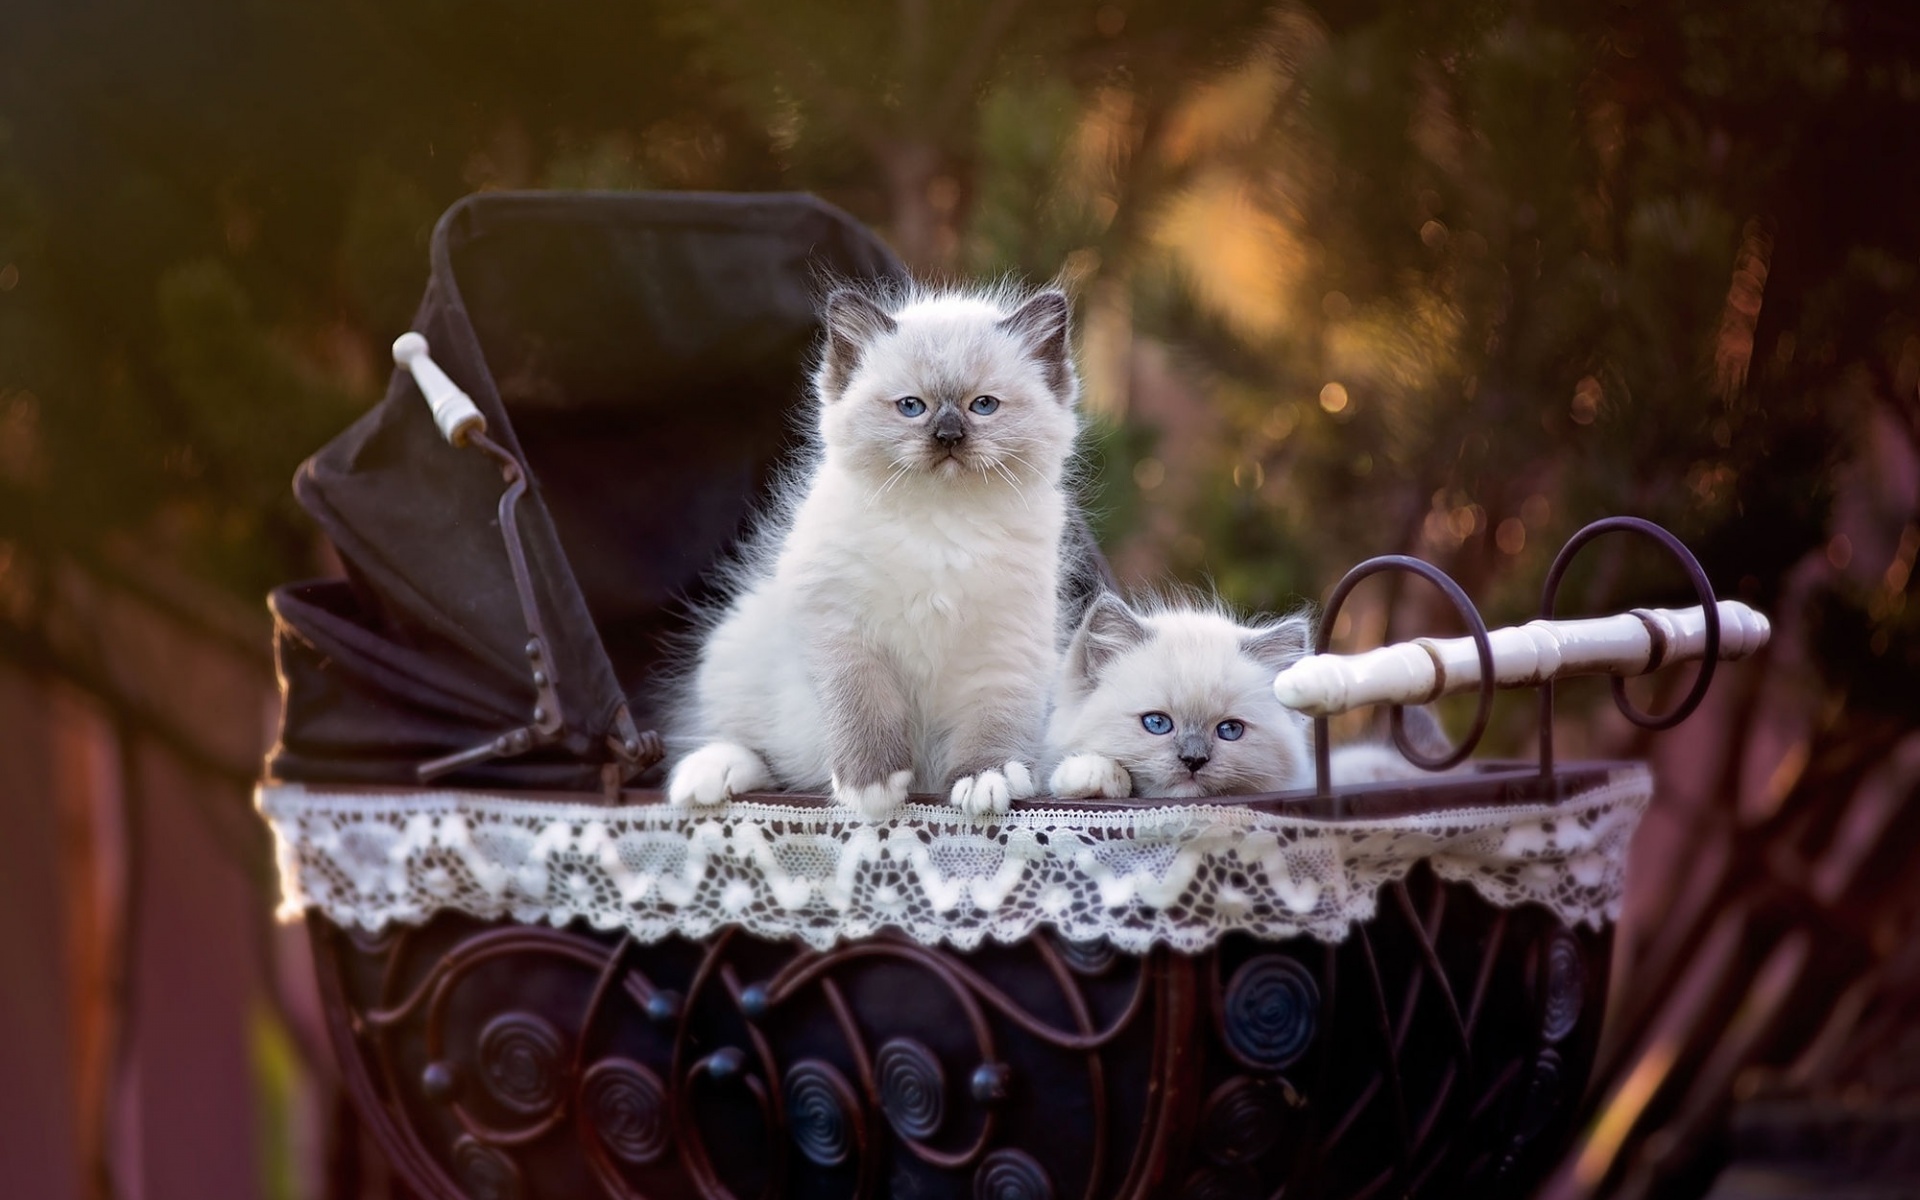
641, 354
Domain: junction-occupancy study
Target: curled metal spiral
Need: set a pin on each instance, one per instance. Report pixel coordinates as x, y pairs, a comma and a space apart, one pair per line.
1271, 1011
1093, 957
821, 1113
1563, 986
913, 1088
625, 1105
1710, 610
484, 1172
520, 1063
1476, 628
1011, 1175
1242, 1121
1542, 1097
1221, 1183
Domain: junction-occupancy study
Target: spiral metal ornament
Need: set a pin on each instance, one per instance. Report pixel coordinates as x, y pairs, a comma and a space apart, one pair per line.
484, 1172
1242, 1121
1542, 1100
1011, 1175
913, 1088
1271, 1012
1563, 988
1086, 958
1215, 1183
821, 1110
626, 1105
520, 1063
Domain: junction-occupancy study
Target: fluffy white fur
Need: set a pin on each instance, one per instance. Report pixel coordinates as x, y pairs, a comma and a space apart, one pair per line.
901, 635
1199, 668
1377, 760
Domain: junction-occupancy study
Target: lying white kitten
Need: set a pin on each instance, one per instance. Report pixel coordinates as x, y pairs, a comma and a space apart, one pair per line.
1177, 701
902, 633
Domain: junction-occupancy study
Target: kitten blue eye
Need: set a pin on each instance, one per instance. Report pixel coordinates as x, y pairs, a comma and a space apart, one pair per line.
984, 404
910, 406
1157, 722
1230, 731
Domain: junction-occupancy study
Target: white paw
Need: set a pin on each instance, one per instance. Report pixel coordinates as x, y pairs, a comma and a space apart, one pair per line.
875, 801
715, 773
1019, 779
1081, 776
991, 791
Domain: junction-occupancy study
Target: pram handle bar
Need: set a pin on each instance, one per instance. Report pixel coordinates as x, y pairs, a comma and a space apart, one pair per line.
1415, 672
463, 425
453, 410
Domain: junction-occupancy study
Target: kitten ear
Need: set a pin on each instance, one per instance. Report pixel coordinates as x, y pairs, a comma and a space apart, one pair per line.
853, 322
1041, 325
1108, 630
1279, 645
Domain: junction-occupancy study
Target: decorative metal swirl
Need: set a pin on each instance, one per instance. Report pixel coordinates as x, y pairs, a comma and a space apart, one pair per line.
1215, 1183
1011, 1175
520, 1063
1542, 1101
626, 1104
639, 1098
1086, 958
821, 1111
1563, 988
485, 1173
1271, 1012
913, 1088
1476, 628
1242, 1121
1710, 611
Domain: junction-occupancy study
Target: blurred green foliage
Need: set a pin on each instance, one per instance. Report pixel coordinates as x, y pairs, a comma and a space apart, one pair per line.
1442, 278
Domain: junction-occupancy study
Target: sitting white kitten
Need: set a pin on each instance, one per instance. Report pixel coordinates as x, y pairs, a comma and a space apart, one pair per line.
902, 633
1177, 701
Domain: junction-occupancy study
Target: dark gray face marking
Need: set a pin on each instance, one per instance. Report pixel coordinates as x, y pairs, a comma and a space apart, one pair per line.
1192, 747
949, 428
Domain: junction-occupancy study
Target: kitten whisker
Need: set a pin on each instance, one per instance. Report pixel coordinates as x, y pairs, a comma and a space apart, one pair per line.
1016, 456
1012, 483
900, 469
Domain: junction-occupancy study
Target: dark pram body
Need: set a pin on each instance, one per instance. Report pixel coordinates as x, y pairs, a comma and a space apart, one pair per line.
639, 358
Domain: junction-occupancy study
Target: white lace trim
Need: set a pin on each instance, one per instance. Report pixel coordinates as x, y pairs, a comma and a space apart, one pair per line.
1176, 875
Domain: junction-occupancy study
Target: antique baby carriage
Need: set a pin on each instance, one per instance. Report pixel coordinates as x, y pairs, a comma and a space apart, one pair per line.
540, 980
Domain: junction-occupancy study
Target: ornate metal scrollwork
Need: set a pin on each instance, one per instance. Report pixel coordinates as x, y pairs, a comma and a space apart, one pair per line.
1244, 1120
1563, 989
1271, 1010
913, 1088
624, 1107
1011, 1175
530, 1062
823, 1117
520, 1063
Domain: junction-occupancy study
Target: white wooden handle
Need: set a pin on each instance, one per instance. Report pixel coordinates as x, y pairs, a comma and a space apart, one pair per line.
1415, 672
453, 409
